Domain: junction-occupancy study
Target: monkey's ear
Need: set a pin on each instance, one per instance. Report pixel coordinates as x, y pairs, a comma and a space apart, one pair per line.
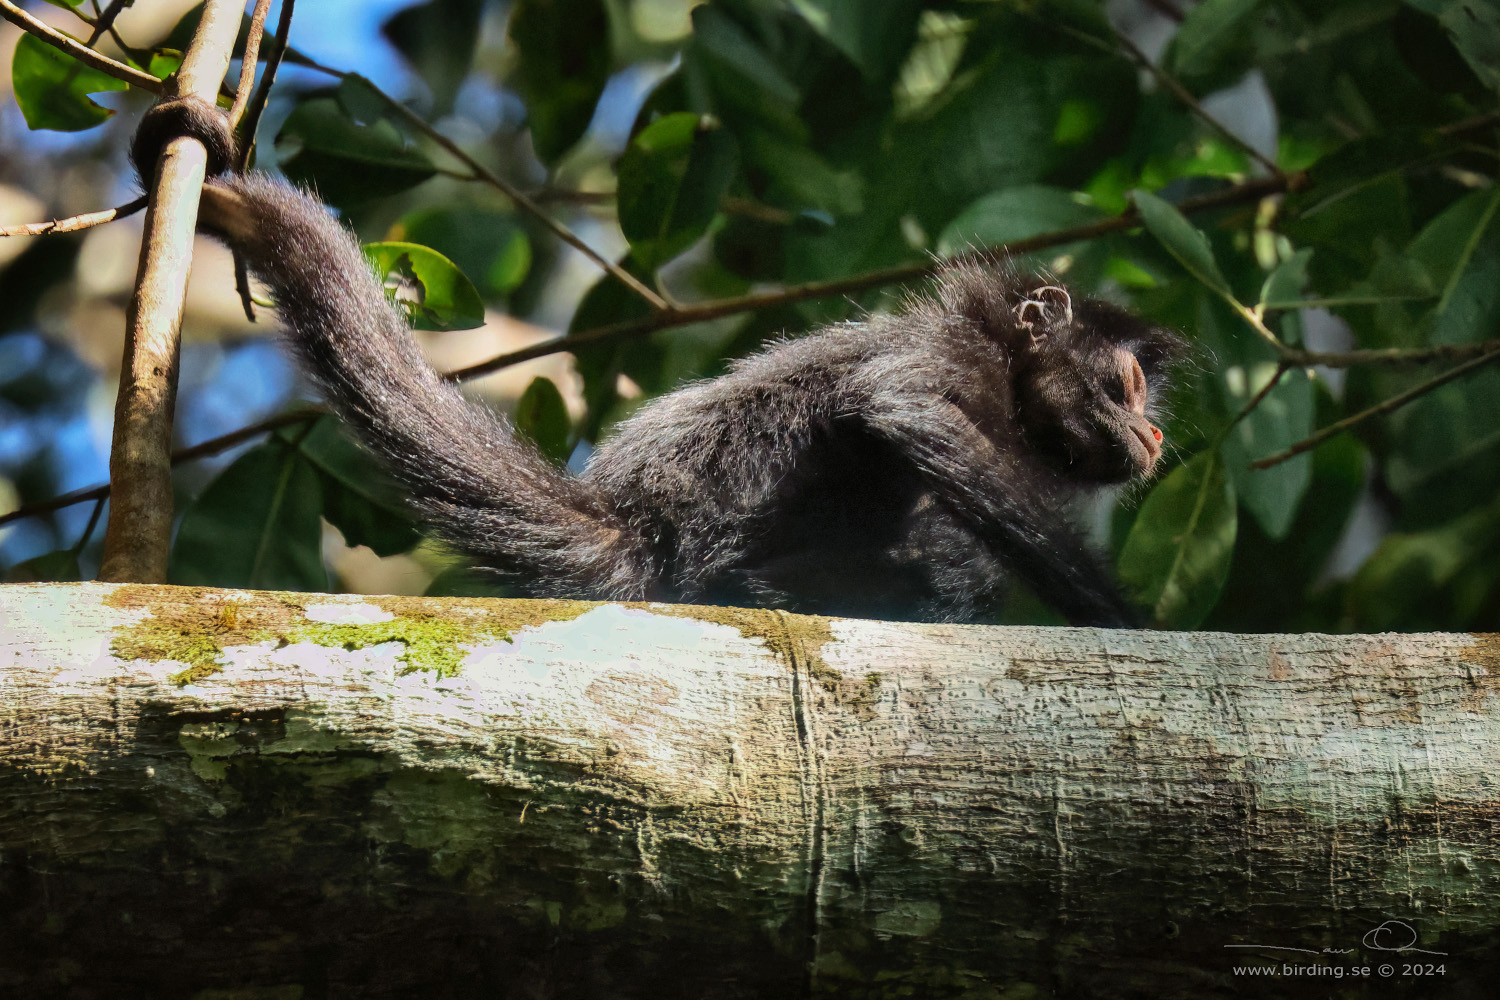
1021, 312
1043, 312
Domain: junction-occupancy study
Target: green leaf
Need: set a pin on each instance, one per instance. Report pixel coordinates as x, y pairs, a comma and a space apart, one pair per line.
1012, 214
1443, 449
434, 293
543, 416
1282, 419
363, 522
164, 62
361, 100
1172, 229
463, 580
1429, 580
438, 39
1177, 555
1212, 46
256, 526
52, 88
1282, 586
1033, 110
1283, 286
748, 73
52, 567
485, 243
875, 36
1475, 27
671, 179
563, 61
1357, 208
808, 179
1446, 246
347, 162
601, 364
359, 497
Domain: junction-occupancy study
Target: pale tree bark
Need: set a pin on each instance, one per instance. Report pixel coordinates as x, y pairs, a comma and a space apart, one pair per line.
297, 795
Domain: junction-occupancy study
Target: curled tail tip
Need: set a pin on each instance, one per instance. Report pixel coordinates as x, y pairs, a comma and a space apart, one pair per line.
183, 116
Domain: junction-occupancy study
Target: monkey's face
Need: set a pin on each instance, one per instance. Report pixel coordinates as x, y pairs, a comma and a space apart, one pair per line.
1084, 410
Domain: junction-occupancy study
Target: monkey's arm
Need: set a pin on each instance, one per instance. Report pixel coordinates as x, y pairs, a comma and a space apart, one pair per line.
966, 470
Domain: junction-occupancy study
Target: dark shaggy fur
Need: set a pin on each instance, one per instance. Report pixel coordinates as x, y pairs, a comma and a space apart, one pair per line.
899, 468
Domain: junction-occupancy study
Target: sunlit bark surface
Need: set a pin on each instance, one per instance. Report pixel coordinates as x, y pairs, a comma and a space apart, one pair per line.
311, 795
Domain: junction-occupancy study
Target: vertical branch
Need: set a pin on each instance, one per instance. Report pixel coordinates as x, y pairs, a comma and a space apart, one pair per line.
140, 517
247, 63
246, 126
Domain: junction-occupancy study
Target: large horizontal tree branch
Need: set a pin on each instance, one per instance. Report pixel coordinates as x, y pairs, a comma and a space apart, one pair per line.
336, 795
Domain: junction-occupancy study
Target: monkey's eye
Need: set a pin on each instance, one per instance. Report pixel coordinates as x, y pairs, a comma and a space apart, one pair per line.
1115, 389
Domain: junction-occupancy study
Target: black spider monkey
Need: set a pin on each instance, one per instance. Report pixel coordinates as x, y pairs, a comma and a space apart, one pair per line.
901, 467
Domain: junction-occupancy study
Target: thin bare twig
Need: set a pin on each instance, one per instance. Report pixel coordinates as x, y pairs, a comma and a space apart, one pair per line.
505, 187
247, 127
1185, 96
236, 114
520, 197
78, 50
1256, 318
1394, 403
1389, 355
76, 222
1248, 192
114, 33
56, 503
203, 449
105, 22
88, 531
247, 63
759, 211
1469, 124
1255, 401
242, 286
548, 195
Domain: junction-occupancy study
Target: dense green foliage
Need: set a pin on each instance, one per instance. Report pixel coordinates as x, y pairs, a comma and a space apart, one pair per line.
791, 141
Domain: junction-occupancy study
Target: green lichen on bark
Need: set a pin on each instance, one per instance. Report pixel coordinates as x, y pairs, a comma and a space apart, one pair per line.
431, 643
195, 625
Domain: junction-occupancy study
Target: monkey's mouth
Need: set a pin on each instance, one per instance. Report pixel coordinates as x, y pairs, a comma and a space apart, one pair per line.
1149, 445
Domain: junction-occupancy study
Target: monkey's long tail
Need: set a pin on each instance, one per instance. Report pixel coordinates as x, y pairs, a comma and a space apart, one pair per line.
470, 478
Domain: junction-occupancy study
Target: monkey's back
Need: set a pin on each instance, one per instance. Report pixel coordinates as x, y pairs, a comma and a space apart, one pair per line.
765, 485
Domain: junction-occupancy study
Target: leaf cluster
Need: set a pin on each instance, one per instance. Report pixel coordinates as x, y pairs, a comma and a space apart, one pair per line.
782, 142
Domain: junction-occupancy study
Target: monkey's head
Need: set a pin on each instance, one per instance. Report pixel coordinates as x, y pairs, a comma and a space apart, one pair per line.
1088, 383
